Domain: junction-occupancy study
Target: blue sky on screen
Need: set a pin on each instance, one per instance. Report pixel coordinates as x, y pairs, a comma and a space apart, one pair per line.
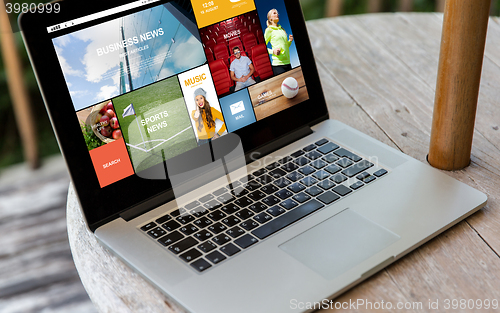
92, 78
263, 6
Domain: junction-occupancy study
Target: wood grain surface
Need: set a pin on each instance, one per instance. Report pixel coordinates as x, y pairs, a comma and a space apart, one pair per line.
378, 73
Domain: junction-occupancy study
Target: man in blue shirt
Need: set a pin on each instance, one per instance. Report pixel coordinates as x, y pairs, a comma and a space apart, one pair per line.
241, 70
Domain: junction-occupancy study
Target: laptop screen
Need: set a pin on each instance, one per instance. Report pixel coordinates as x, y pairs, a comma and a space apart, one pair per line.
153, 84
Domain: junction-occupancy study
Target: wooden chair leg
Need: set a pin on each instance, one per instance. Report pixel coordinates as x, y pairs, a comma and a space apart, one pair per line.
459, 75
17, 90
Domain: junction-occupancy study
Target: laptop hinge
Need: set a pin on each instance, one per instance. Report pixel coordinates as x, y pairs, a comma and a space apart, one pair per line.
278, 143
148, 205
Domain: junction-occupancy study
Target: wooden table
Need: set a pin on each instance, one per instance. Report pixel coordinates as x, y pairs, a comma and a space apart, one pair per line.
379, 75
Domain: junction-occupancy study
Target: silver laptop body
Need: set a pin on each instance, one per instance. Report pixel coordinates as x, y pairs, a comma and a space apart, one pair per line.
320, 256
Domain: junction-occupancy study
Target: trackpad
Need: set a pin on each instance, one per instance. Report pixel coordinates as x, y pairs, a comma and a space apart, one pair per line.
338, 244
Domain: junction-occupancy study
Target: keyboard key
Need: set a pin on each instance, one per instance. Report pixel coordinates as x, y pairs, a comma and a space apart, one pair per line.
282, 182
231, 221
182, 245
347, 154
259, 172
246, 179
233, 185
188, 229
320, 175
290, 167
330, 158
230, 208
269, 189
318, 164
326, 184
301, 197
314, 155
256, 195
283, 194
277, 173
207, 246
276, 210
369, 179
287, 219
297, 154
206, 198
243, 202
249, 225
294, 176
190, 255
262, 218
297, 187
221, 239
200, 265
301, 161
380, 173
309, 147
175, 213
332, 169
272, 166
202, 222
219, 192
285, 160
199, 212
270, 201
225, 198
321, 142
342, 190
244, 214
258, 207
264, 179
239, 191
338, 178
289, 204
314, 191
171, 225
230, 249
185, 219
217, 215
235, 232
191, 205
345, 162
217, 228
328, 197
212, 205
215, 257
149, 226
306, 170
328, 148
245, 241
253, 184
356, 185
203, 235
163, 219
308, 181
362, 175
170, 238
357, 168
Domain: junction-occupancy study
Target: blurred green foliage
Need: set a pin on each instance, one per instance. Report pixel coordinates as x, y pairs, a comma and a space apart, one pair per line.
10, 143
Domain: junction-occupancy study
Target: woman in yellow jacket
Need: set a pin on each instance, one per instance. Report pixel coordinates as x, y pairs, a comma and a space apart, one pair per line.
205, 117
280, 43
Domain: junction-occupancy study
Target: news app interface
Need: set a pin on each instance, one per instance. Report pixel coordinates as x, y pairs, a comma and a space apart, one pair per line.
154, 84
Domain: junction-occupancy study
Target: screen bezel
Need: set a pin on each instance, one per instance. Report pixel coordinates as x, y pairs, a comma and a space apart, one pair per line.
101, 205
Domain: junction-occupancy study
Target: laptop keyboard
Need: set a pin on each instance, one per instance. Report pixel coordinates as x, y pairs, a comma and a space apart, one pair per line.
220, 225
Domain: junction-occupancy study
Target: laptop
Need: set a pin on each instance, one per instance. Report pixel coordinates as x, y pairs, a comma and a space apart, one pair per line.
199, 143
